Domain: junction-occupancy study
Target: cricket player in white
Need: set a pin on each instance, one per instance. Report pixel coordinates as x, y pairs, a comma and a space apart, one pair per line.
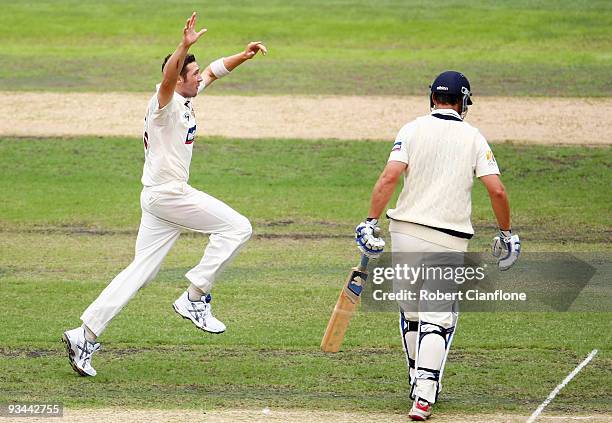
438, 156
169, 204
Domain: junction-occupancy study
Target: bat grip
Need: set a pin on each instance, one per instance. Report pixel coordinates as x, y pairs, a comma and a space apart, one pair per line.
363, 264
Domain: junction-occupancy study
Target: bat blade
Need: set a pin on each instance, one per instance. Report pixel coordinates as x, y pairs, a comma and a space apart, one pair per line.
344, 309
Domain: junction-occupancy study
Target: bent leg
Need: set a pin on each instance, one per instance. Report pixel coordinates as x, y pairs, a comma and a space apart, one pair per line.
155, 239
229, 232
200, 212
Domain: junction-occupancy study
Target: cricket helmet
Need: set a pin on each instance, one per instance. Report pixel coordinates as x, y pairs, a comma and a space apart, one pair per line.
453, 83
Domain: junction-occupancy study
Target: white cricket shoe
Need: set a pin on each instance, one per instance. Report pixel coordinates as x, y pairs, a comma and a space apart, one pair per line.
420, 411
199, 312
80, 351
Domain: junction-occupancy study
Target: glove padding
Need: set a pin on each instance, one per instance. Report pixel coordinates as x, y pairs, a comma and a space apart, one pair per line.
507, 248
368, 241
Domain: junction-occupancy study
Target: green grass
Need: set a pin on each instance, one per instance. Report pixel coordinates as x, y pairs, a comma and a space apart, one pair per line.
550, 48
276, 299
67, 220
288, 186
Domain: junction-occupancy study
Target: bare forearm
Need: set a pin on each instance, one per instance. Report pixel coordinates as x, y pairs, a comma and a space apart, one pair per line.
229, 63
222, 67
172, 70
381, 194
173, 66
232, 62
501, 208
499, 200
385, 187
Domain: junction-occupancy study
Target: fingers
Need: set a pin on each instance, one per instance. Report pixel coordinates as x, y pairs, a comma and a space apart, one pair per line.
263, 48
190, 24
189, 30
256, 46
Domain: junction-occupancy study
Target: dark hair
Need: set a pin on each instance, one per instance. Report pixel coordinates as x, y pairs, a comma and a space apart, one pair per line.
450, 99
190, 58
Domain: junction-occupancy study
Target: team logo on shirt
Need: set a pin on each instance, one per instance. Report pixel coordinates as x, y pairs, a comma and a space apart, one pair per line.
397, 146
191, 135
490, 157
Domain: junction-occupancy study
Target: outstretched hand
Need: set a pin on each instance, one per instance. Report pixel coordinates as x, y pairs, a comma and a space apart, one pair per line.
253, 47
190, 35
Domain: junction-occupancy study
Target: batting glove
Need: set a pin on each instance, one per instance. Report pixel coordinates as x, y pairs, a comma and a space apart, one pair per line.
368, 241
507, 248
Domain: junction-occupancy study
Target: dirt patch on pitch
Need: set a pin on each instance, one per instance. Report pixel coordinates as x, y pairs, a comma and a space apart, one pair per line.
277, 416
530, 120
283, 231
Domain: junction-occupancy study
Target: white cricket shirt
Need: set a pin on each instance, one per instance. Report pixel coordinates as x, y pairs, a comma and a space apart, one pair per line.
443, 154
168, 138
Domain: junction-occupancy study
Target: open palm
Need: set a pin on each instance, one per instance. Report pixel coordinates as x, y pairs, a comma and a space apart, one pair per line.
190, 35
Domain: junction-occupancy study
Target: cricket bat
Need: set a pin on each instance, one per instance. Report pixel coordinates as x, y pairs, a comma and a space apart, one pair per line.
346, 305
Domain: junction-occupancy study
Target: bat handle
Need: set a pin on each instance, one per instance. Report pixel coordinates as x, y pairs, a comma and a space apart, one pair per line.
363, 264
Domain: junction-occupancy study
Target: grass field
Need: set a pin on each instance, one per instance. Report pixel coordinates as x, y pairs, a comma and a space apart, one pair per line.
67, 226
69, 208
332, 47
288, 186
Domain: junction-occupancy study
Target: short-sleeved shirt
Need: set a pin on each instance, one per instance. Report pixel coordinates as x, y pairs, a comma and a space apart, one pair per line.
169, 134
443, 154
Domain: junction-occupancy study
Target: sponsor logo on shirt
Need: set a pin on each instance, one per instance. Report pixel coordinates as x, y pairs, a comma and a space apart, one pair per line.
397, 146
490, 157
191, 135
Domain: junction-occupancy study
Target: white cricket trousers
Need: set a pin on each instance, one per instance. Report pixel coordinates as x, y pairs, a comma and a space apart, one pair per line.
404, 243
166, 210
425, 350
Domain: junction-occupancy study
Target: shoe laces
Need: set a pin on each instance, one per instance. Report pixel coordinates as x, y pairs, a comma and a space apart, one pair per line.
201, 308
87, 349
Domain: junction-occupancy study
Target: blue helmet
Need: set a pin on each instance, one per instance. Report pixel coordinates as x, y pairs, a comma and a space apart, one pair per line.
453, 83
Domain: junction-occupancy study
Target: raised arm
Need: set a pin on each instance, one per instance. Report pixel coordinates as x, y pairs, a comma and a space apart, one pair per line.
221, 67
174, 64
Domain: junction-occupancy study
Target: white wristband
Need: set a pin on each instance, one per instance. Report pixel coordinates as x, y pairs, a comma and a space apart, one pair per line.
218, 68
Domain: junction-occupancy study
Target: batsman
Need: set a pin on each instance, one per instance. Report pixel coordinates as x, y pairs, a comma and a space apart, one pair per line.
437, 156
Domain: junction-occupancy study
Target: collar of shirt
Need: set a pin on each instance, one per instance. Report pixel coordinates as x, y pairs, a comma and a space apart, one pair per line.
447, 112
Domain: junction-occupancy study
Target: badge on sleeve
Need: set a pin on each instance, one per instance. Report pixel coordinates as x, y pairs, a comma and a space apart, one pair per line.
490, 158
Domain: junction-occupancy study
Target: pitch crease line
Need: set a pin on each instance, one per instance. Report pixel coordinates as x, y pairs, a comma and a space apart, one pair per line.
560, 386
